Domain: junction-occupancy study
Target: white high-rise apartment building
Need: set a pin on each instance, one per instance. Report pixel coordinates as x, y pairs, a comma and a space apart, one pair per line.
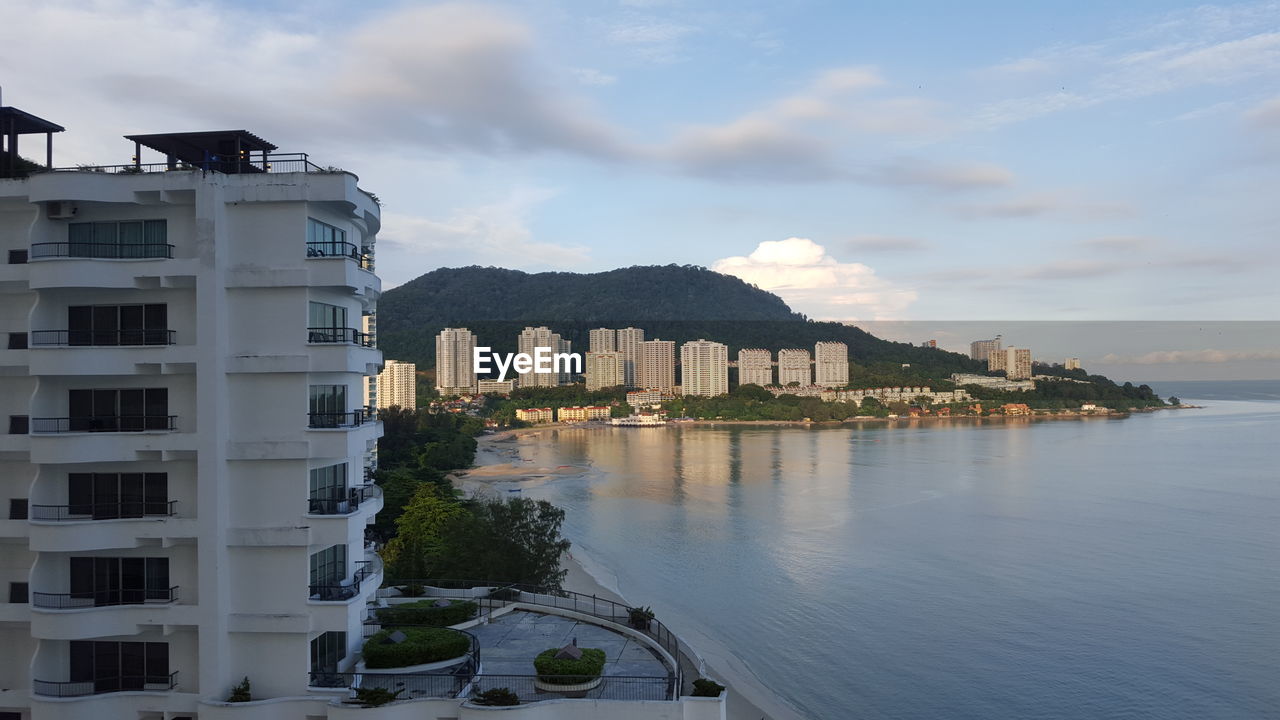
704, 368
831, 364
604, 370
532, 338
629, 341
455, 361
656, 365
793, 367
755, 367
398, 385
187, 435
602, 340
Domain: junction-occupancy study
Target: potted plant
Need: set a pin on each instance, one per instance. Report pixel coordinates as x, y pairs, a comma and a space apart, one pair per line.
640, 617
570, 671
240, 693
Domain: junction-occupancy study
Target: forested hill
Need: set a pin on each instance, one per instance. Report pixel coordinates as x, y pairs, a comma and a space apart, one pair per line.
671, 302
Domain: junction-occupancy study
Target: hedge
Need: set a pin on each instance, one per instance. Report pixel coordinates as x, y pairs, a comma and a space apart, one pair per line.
423, 612
588, 667
421, 646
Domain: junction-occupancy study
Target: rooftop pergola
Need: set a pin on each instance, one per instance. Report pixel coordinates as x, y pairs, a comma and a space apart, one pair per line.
15, 122
229, 151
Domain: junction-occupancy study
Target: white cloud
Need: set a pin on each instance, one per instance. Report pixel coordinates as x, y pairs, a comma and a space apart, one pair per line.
811, 281
493, 234
907, 171
1199, 357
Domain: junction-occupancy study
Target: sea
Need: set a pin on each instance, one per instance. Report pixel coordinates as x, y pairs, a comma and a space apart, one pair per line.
1016, 570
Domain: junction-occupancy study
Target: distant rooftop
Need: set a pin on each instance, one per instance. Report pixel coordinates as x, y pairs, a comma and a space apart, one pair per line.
18, 122
229, 151
13, 123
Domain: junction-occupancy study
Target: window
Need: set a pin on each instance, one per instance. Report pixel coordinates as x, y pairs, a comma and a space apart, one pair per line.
17, 341
329, 490
124, 410
17, 257
113, 666
125, 239
329, 567
327, 650
117, 325
326, 323
19, 593
17, 508
102, 581
328, 406
19, 424
106, 496
325, 240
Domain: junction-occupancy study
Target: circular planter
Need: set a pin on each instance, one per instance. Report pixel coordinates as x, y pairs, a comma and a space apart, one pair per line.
575, 690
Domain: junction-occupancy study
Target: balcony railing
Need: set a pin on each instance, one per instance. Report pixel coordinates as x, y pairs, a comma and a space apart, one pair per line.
347, 589
98, 686
253, 163
108, 423
330, 421
343, 505
104, 598
123, 510
348, 336
108, 251
339, 248
65, 338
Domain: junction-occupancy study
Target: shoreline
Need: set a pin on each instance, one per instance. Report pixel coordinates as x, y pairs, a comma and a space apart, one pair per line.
747, 697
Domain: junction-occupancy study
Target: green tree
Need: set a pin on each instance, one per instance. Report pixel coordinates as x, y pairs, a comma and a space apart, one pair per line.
415, 551
516, 540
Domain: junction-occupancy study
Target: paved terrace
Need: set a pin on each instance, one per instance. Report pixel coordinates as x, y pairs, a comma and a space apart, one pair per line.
510, 642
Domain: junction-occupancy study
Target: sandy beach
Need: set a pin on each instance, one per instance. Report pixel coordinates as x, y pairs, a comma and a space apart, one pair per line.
498, 461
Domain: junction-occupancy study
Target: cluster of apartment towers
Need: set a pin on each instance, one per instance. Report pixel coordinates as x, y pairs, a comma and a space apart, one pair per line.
623, 357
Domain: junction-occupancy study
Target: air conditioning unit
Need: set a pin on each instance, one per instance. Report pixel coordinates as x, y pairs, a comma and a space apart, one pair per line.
62, 210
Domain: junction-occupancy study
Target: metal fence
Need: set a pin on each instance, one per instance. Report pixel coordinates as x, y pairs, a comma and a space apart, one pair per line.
104, 598
98, 686
104, 423
610, 687
108, 251
91, 338
123, 509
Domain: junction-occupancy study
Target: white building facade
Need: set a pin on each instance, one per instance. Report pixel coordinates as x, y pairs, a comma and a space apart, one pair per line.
602, 340
755, 367
629, 341
604, 370
831, 364
529, 341
398, 385
455, 361
704, 368
656, 365
793, 367
188, 435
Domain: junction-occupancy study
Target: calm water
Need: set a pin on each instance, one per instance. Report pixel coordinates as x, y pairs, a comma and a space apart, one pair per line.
1069, 569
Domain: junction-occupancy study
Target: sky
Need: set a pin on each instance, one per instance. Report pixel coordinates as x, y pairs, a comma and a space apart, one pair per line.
913, 161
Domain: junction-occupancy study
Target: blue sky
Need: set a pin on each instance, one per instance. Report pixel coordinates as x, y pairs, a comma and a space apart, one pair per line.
870, 161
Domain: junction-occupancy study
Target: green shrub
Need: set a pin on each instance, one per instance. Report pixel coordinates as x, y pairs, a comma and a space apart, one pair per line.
706, 687
569, 672
422, 612
240, 693
421, 646
375, 697
496, 697
640, 617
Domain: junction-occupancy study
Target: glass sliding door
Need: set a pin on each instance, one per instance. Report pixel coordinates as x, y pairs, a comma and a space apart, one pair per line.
328, 406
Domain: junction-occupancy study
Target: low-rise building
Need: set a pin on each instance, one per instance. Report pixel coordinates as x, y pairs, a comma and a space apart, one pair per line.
647, 398
535, 415
583, 414
995, 383
496, 387
1015, 409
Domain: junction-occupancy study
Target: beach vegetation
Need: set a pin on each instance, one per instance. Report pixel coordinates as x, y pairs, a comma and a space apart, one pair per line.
706, 687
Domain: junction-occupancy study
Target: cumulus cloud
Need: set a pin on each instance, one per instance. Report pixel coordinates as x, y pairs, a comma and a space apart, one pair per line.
492, 234
811, 281
1174, 357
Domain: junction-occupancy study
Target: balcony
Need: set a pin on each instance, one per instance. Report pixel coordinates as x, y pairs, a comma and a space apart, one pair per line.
101, 251
367, 571
340, 249
356, 497
108, 598
100, 686
101, 338
104, 424
125, 510
338, 421
342, 336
